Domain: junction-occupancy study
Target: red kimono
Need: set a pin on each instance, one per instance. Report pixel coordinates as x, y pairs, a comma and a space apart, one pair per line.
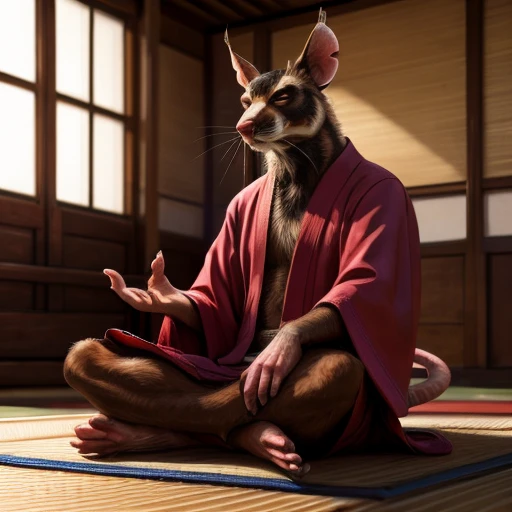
358, 250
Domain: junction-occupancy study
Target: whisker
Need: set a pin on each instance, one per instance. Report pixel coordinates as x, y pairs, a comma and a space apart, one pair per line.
214, 127
223, 156
231, 161
209, 149
316, 169
212, 134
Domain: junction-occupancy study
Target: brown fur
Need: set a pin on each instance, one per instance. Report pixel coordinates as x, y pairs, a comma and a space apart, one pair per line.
125, 384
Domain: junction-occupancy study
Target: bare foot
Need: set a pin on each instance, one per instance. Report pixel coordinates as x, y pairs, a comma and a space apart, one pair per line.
265, 440
104, 436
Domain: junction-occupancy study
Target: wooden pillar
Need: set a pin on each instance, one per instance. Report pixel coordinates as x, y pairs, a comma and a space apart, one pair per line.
150, 41
209, 209
475, 322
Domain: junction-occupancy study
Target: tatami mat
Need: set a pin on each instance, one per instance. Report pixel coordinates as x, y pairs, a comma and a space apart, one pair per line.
479, 444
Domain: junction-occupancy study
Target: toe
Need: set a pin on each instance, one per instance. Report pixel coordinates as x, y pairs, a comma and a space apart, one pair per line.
98, 447
279, 441
288, 457
114, 430
86, 431
100, 421
301, 470
282, 464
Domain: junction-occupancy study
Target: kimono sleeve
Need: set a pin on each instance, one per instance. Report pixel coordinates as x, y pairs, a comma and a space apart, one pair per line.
218, 292
377, 290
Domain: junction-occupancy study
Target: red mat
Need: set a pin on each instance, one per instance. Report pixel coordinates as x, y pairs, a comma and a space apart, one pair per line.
465, 407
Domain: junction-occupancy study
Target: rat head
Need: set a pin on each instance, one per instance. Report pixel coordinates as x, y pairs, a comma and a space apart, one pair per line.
285, 105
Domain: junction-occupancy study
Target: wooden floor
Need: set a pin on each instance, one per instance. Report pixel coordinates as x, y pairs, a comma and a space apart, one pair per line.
28, 490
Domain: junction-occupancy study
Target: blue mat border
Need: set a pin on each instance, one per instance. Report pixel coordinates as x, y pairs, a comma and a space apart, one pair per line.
271, 484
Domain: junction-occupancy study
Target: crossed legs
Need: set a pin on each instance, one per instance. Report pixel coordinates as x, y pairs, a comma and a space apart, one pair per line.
147, 403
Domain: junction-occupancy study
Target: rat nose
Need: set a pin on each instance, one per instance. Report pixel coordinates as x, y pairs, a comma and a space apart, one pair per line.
246, 129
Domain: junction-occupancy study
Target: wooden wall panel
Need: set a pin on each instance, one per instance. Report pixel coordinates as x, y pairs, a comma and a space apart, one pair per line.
441, 329
181, 124
497, 89
91, 224
181, 218
17, 245
92, 300
219, 215
500, 310
182, 268
445, 341
184, 258
226, 111
93, 254
181, 37
400, 88
31, 373
49, 335
442, 298
16, 296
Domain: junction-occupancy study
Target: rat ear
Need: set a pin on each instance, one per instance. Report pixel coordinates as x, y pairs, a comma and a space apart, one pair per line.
245, 71
320, 55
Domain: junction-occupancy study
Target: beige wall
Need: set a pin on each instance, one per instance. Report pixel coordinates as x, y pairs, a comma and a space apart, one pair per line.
498, 88
400, 88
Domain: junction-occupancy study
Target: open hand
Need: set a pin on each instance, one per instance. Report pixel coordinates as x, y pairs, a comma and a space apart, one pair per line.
156, 299
271, 367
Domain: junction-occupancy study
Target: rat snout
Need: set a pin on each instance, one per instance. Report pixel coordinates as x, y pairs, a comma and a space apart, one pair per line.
246, 129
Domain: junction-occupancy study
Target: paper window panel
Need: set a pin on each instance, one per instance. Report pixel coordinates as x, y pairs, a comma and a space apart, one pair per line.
108, 164
72, 48
442, 218
498, 213
72, 154
108, 62
17, 140
18, 38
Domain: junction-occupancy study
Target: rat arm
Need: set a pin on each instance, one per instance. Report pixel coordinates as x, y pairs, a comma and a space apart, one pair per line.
319, 325
182, 309
278, 359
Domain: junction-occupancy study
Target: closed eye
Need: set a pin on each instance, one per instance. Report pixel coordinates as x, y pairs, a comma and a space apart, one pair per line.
283, 96
281, 100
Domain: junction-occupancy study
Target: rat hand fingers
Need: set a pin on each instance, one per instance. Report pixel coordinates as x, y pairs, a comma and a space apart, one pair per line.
251, 387
264, 383
116, 280
158, 265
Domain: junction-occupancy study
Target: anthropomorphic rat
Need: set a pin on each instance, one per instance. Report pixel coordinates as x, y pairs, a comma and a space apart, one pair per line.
316, 271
